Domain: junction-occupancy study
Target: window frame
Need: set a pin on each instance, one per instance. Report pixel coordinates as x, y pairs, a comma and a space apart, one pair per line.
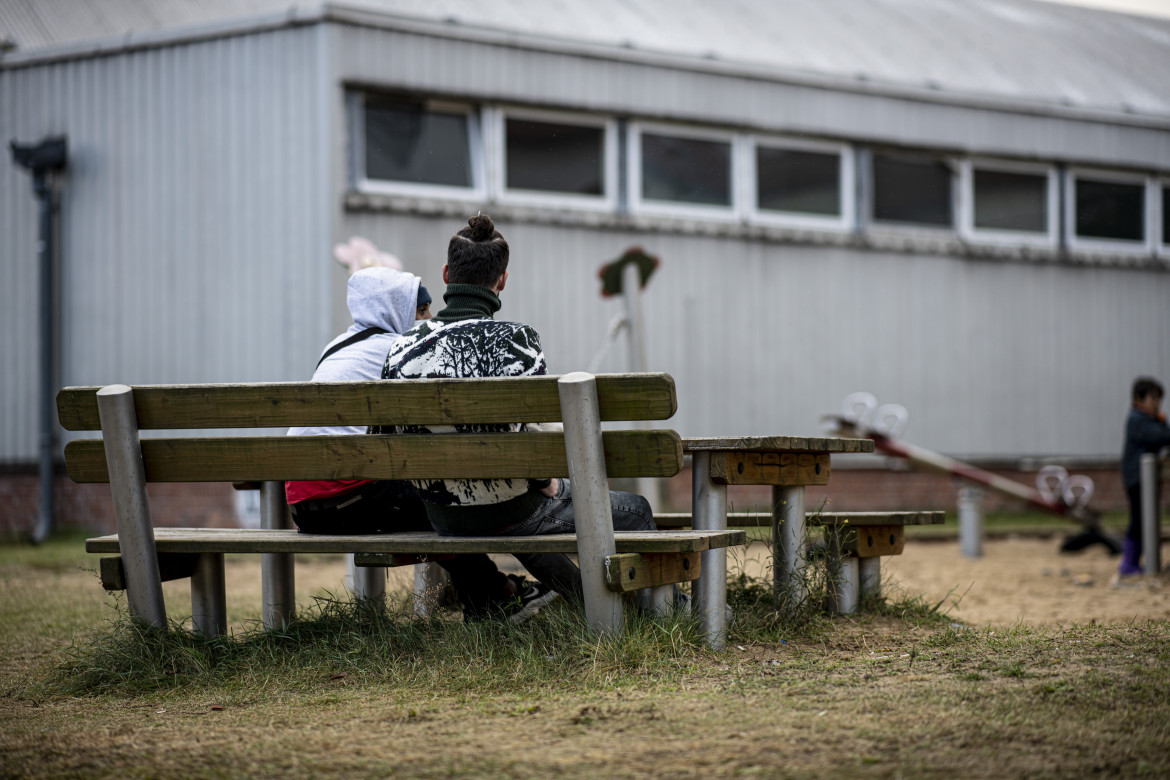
496, 143
363, 183
886, 227
1158, 189
845, 221
1113, 245
681, 209
1050, 238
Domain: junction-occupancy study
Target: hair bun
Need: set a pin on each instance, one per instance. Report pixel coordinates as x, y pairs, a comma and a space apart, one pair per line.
482, 227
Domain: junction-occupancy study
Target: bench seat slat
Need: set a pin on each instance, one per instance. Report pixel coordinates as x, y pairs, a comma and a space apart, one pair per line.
841, 519
389, 402
238, 540
415, 456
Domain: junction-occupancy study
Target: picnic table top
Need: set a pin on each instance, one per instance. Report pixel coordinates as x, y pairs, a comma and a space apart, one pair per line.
814, 444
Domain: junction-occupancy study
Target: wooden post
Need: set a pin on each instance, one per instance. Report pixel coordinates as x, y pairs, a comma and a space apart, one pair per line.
277, 573
788, 538
648, 487
209, 595
709, 513
971, 522
1151, 530
131, 505
586, 456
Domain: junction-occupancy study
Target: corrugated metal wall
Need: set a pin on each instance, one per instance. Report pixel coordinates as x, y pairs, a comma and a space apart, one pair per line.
498, 72
195, 217
992, 359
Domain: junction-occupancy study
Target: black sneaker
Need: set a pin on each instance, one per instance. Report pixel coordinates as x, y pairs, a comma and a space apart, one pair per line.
530, 598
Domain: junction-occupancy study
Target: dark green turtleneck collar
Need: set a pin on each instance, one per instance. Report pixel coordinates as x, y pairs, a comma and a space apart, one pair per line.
468, 302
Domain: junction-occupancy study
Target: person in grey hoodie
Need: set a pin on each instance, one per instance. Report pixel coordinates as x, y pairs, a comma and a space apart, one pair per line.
384, 303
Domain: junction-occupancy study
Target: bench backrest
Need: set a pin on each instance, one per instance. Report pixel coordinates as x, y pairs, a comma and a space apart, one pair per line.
621, 397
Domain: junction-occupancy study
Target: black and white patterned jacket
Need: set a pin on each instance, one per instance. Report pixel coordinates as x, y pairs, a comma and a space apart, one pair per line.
464, 341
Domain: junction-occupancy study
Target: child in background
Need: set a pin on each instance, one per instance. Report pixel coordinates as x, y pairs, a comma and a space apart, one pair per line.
1145, 431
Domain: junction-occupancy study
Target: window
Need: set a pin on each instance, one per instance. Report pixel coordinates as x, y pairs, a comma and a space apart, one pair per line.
1166, 216
912, 189
417, 145
553, 158
798, 182
1009, 202
691, 170
1107, 210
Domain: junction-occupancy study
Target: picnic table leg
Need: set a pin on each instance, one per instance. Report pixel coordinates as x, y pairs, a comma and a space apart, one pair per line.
131, 507
209, 595
870, 574
709, 513
788, 538
592, 511
277, 575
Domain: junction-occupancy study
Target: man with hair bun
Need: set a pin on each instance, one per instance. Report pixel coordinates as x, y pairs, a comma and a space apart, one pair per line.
463, 340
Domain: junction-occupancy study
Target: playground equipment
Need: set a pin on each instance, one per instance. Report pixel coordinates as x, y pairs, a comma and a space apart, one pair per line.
1056, 491
627, 276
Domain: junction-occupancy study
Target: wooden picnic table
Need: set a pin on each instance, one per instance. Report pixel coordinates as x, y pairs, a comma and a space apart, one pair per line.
788, 464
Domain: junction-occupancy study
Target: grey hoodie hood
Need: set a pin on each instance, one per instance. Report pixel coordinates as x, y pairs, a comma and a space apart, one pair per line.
378, 298
382, 298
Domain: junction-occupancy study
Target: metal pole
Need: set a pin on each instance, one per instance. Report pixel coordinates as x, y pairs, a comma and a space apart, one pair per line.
869, 571
48, 423
1151, 531
277, 572
709, 513
648, 487
788, 537
209, 595
131, 506
591, 508
971, 522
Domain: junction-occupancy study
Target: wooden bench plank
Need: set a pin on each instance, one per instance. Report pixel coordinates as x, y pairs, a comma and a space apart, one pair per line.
770, 468
764, 519
239, 540
827, 444
387, 402
417, 456
625, 572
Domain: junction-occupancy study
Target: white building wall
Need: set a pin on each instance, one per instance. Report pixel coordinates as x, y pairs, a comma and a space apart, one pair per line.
992, 359
195, 217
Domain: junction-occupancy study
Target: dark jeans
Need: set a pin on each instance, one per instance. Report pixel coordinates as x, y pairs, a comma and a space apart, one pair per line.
631, 512
393, 507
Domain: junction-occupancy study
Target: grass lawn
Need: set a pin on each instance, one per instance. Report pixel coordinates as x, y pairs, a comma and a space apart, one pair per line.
900, 692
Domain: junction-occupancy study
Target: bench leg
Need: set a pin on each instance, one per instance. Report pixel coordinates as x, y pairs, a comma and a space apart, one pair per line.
845, 587
594, 518
277, 575
209, 595
430, 579
656, 601
369, 582
788, 540
709, 513
870, 578
119, 422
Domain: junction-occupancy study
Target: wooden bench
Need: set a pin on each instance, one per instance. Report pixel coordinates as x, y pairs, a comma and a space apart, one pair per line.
855, 545
611, 563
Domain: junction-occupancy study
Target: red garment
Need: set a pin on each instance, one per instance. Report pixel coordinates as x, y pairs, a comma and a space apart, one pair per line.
295, 492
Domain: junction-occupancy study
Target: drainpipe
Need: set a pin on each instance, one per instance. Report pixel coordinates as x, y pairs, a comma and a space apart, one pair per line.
43, 159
